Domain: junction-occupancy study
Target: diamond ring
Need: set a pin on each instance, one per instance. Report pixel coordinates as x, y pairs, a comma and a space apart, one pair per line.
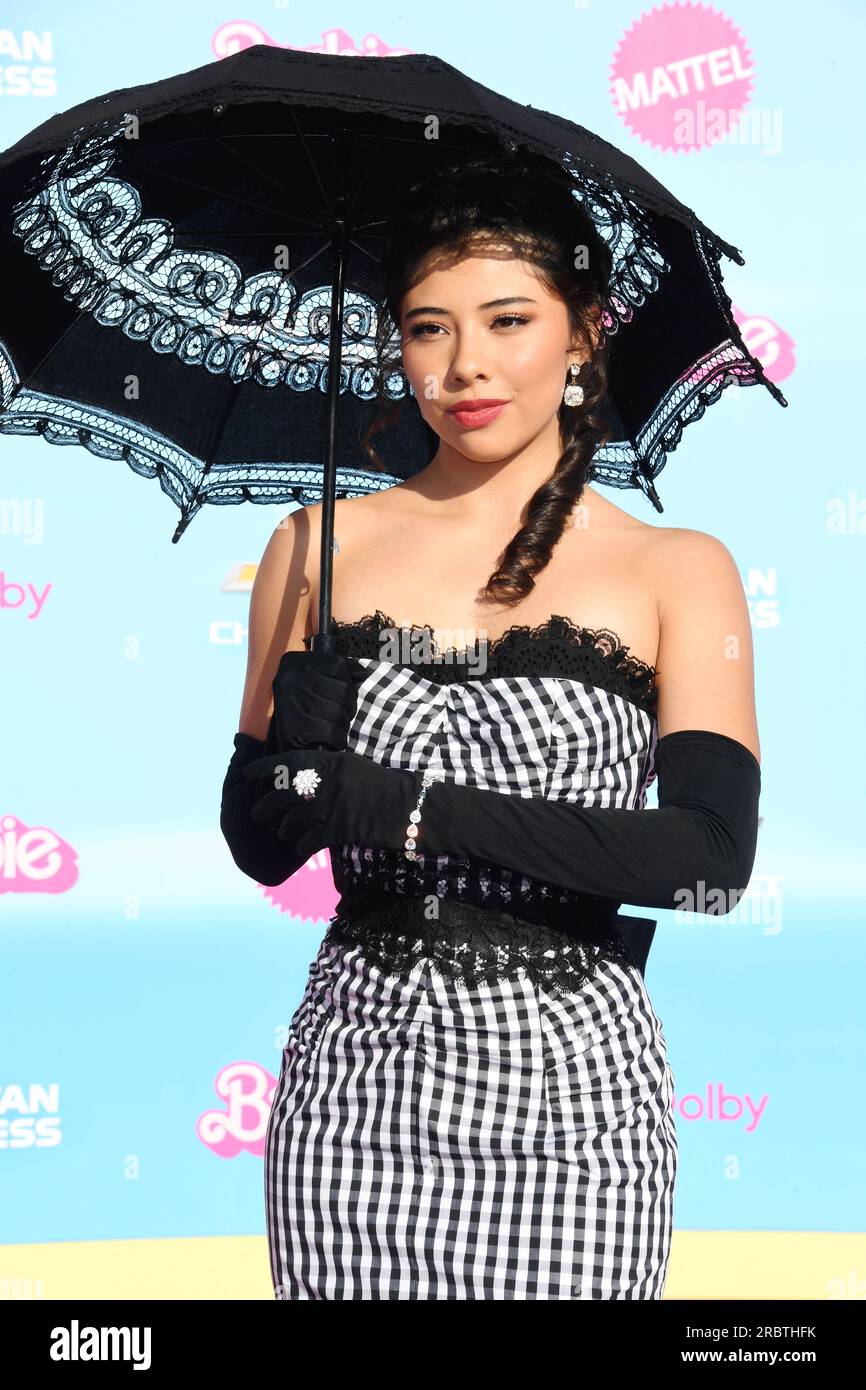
306, 781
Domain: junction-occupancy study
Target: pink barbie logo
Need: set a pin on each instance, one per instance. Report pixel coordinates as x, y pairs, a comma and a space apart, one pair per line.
681, 76
772, 348
309, 893
248, 1090
238, 34
767, 341
34, 860
719, 1104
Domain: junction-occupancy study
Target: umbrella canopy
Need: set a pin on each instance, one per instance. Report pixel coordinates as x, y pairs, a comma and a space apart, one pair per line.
193, 276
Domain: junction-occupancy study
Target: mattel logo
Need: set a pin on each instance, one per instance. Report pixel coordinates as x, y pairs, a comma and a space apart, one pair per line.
34, 859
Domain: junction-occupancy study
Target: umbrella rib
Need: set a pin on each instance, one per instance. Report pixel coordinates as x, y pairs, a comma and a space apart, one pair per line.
302, 136
293, 270
25, 381
224, 145
363, 250
223, 193
353, 202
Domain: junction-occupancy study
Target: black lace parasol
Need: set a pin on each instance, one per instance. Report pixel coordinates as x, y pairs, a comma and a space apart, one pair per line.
146, 317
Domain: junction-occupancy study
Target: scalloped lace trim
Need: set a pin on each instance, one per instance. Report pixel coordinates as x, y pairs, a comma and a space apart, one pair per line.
557, 647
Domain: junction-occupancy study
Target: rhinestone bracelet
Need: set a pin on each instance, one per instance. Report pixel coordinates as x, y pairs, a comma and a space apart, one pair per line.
427, 779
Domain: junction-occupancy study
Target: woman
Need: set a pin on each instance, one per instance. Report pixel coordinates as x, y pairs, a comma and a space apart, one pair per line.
475, 1099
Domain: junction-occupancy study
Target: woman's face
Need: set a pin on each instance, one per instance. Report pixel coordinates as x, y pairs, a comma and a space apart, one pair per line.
486, 328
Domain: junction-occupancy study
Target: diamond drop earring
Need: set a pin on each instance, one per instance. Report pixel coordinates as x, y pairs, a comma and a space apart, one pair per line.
573, 394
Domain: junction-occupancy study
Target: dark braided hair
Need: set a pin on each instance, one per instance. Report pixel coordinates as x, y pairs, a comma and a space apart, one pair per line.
526, 203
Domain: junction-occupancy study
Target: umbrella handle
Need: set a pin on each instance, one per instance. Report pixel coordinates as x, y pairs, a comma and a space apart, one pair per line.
323, 642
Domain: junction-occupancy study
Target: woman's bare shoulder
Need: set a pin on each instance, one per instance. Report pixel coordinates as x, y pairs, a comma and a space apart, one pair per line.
350, 513
680, 555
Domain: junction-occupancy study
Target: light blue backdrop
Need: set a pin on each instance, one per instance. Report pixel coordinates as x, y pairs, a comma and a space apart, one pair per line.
124, 996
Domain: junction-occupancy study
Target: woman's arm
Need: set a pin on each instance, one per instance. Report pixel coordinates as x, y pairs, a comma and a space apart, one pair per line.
278, 622
695, 852
279, 616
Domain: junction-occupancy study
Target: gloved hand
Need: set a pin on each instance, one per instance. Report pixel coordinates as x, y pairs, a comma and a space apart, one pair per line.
355, 800
315, 699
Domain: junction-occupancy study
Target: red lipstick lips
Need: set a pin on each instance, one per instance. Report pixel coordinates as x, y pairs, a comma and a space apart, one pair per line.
472, 414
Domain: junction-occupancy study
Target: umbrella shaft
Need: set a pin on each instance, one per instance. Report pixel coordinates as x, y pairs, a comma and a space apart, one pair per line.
339, 242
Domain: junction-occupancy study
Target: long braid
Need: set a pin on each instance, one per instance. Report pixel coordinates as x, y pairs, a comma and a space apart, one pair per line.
551, 505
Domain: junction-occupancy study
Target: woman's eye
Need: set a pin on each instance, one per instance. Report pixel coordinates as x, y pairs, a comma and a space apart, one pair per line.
417, 329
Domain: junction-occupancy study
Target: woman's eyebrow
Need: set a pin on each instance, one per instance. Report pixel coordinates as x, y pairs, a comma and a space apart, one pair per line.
491, 304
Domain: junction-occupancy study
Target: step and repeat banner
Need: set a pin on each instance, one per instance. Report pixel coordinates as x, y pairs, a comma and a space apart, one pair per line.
147, 984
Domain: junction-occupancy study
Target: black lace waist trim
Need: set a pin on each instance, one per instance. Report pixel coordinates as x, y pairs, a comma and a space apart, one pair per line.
556, 647
472, 945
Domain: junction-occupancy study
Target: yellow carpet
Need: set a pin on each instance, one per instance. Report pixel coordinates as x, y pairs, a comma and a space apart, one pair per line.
703, 1264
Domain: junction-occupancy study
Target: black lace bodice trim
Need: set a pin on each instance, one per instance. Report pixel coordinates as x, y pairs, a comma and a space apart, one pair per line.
473, 945
556, 647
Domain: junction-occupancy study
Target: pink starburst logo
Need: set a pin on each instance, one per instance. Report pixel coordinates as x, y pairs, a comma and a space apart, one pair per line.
681, 76
309, 893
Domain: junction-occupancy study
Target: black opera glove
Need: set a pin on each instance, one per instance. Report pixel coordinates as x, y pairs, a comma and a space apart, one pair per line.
315, 699
695, 852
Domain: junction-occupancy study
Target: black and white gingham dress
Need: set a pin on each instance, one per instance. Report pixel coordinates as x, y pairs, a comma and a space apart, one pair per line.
451, 1124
